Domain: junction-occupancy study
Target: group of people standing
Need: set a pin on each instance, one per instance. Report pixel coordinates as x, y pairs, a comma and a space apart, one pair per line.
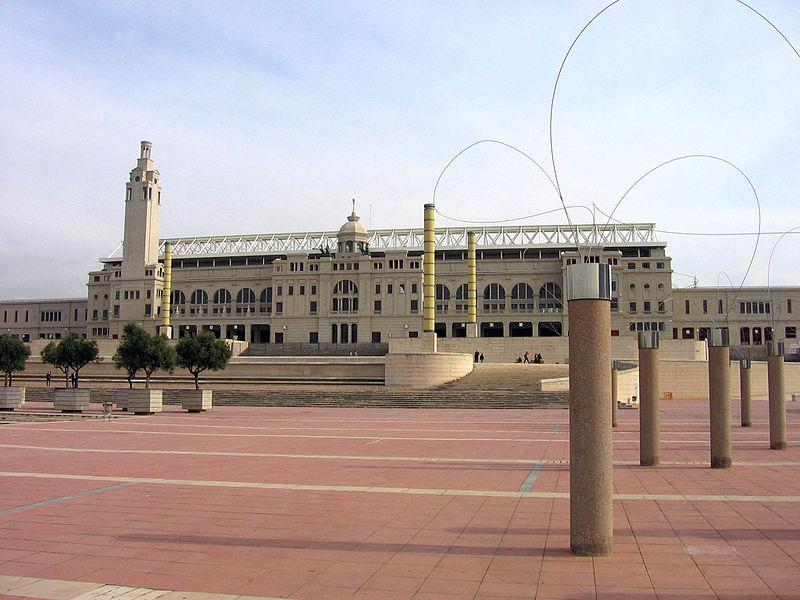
537, 359
478, 356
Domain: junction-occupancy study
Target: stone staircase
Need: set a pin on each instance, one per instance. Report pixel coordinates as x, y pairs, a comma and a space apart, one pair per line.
339, 398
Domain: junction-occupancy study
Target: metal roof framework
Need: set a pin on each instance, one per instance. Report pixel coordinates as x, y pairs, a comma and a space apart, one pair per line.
449, 238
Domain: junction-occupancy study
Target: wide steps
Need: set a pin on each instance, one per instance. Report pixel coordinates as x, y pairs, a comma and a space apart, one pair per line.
354, 399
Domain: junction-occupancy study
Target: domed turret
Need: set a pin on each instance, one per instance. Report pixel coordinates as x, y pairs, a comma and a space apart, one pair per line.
353, 236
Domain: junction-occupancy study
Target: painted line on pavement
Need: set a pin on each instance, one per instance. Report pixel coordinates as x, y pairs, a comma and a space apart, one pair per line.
527, 485
396, 490
70, 497
425, 459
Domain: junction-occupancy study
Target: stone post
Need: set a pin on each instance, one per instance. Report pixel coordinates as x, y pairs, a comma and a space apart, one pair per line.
590, 459
166, 308
429, 281
777, 396
744, 391
649, 428
614, 386
472, 287
719, 398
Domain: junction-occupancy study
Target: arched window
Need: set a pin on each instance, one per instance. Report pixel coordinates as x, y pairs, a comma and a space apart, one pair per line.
222, 296
177, 297
345, 297
265, 300
494, 291
550, 297
198, 297
442, 292
522, 297
462, 298
345, 286
245, 296
494, 296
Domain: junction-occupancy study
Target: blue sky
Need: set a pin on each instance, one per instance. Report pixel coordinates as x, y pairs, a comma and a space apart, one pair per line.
271, 116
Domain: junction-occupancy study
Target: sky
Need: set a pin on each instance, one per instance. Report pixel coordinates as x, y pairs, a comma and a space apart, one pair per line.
270, 116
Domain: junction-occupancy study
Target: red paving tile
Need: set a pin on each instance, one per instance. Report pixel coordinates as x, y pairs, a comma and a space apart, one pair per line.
280, 502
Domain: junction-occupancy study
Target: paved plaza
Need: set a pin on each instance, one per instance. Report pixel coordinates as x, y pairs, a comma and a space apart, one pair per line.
310, 503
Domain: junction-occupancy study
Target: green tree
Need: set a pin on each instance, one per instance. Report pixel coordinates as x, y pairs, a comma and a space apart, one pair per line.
131, 350
201, 352
159, 355
13, 353
71, 354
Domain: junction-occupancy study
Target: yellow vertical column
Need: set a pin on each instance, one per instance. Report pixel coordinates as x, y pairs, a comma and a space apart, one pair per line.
472, 287
429, 281
166, 325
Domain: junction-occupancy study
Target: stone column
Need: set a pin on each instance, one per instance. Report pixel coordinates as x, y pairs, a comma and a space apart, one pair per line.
472, 287
744, 391
719, 397
777, 396
429, 281
649, 428
614, 407
166, 307
590, 460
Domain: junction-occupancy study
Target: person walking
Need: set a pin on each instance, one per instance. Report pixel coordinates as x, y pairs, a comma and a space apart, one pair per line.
477, 355
527, 357
48, 377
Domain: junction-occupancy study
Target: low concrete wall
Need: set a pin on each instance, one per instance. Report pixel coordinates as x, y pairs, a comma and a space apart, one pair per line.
552, 349
418, 370
689, 379
363, 369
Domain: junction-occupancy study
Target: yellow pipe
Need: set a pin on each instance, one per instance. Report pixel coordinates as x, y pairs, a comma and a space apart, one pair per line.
429, 272
472, 280
165, 297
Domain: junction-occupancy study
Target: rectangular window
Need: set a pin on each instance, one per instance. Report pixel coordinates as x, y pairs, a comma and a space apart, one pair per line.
791, 332
291, 290
647, 307
116, 310
148, 295
414, 305
659, 265
312, 307
313, 336
660, 306
719, 307
126, 295
789, 306
376, 337
413, 288
632, 307
614, 304
279, 307
105, 313
645, 265
302, 290
148, 309
313, 290
388, 288
376, 306
631, 266
94, 314
138, 294
279, 292
686, 309
377, 288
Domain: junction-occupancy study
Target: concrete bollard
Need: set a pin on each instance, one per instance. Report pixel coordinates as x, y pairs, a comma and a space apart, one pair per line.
649, 434
745, 391
719, 398
777, 396
614, 387
590, 449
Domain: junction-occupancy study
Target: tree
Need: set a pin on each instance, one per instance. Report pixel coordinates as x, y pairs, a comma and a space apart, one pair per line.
72, 353
159, 355
13, 353
130, 350
201, 352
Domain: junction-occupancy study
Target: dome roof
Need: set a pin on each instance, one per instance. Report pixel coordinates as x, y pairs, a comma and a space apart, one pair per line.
352, 227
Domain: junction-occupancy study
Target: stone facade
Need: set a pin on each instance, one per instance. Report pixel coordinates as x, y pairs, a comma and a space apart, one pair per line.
353, 285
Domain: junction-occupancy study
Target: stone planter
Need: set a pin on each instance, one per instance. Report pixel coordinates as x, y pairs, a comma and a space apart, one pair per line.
71, 400
140, 401
11, 397
121, 398
197, 400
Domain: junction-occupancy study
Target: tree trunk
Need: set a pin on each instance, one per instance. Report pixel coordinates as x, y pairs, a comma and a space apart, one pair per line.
130, 381
147, 381
197, 380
